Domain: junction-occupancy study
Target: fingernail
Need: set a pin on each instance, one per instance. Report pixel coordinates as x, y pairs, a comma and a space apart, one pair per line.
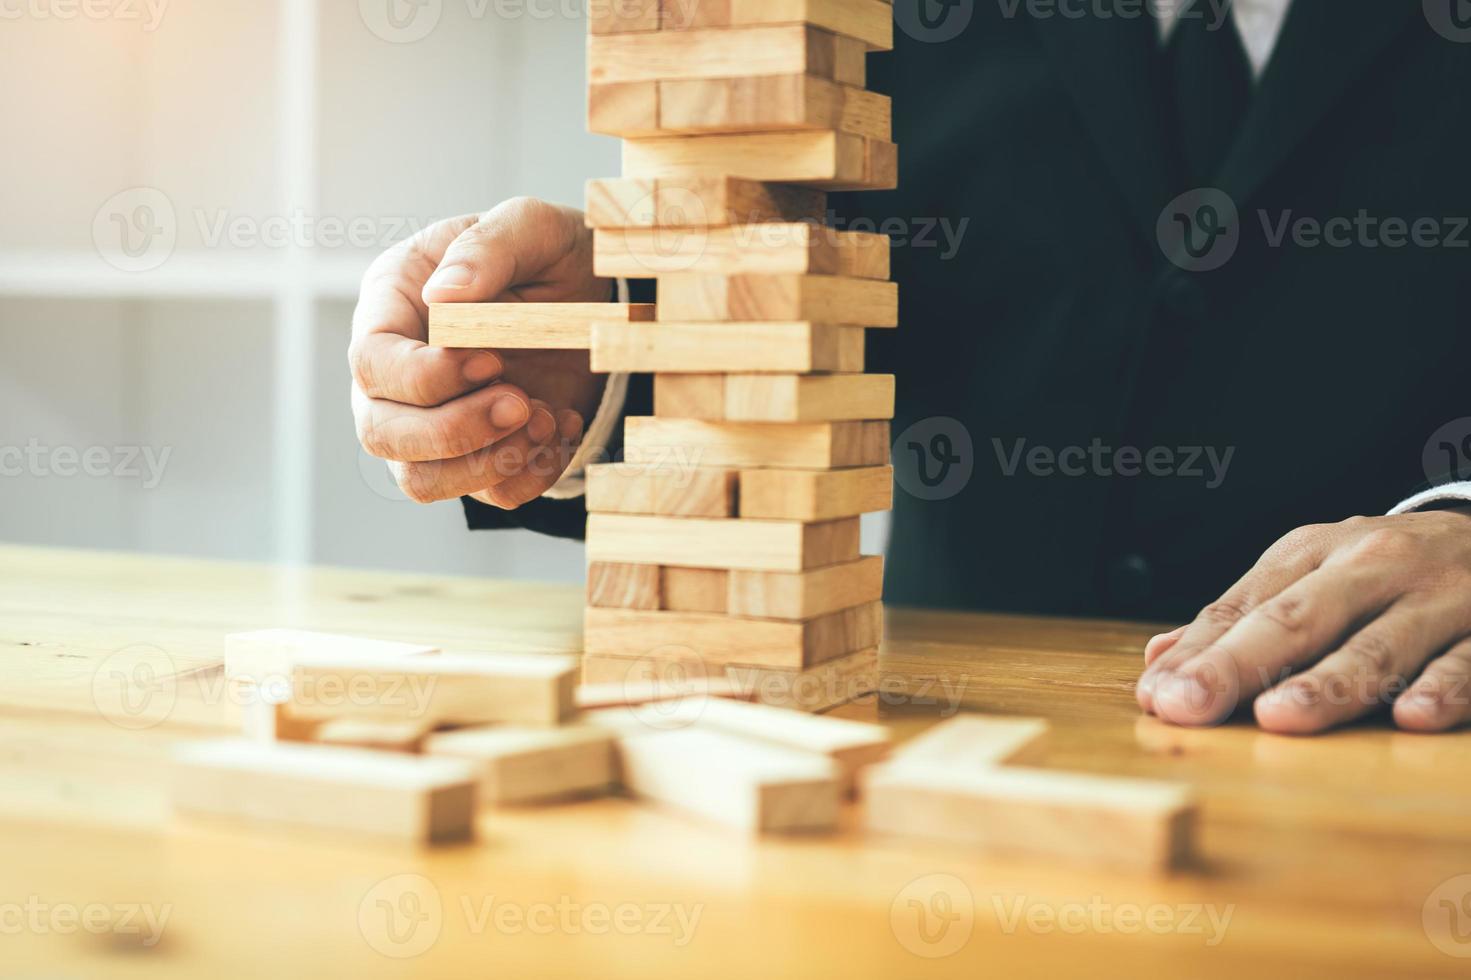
507, 412
571, 426
541, 426
481, 368
452, 277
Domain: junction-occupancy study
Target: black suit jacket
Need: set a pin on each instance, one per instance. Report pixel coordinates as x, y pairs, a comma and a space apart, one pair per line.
1061, 326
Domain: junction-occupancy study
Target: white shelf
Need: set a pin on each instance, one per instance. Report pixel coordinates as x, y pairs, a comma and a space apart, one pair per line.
84, 274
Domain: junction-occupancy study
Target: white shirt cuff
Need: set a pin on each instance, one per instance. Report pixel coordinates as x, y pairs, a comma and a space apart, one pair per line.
596, 436
1450, 493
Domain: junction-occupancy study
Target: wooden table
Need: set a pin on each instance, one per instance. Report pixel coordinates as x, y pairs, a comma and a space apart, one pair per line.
1320, 857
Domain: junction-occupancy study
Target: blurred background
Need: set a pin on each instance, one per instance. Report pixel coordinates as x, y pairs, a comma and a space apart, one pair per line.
192, 189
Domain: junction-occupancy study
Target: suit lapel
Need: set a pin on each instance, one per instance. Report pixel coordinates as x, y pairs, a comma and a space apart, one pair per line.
1111, 69
1325, 46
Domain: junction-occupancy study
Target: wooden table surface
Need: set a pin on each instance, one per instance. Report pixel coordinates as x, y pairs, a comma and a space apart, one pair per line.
1344, 856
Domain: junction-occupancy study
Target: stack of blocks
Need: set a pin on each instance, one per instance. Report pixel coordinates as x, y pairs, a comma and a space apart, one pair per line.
727, 540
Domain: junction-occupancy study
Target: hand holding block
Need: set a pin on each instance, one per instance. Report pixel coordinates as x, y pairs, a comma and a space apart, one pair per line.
763, 104
825, 159
730, 780
820, 299
778, 546
741, 52
527, 765
461, 689
774, 397
783, 348
268, 654
698, 202
526, 326
333, 788
775, 248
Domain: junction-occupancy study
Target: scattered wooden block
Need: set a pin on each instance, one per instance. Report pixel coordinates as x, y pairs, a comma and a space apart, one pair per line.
779, 546
526, 326
820, 299
815, 495
826, 159
385, 736
720, 639
454, 689
698, 202
268, 654
851, 745
870, 21
1124, 824
732, 781
642, 683
621, 586
623, 16
747, 347
761, 104
739, 52
805, 595
699, 590
529, 765
814, 689
327, 787
673, 487
798, 445
774, 397
793, 247
972, 742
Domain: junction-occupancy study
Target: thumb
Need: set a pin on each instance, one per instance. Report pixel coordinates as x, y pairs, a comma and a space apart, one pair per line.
514, 242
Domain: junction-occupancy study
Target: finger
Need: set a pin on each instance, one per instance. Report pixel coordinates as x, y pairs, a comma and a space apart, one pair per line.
407, 433
388, 355
1161, 644
470, 475
1285, 562
1363, 674
1440, 699
521, 241
543, 469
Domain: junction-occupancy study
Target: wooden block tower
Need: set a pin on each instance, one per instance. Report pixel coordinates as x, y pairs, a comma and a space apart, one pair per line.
727, 539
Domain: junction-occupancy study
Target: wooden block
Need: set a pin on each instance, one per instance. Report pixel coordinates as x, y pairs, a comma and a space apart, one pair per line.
720, 640
781, 546
802, 445
751, 249
972, 742
740, 52
814, 689
827, 159
851, 745
1122, 824
623, 16
774, 397
777, 347
761, 104
386, 736
637, 683
698, 590
527, 765
263, 719
869, 21
523, 326
698, 202
262, 655
821, 299
327, 787
667, 669
672, 487
815, 495
804, 595
457, 689
732, 781
621, 586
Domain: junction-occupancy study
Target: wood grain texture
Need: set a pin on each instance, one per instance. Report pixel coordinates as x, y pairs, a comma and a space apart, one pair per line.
803, 595
774, 397
826, 159
815, 495
738, 52
622, 586
761, 104
869, 21
772, 248
819, 298
673, 487
698, 590
782, 348
782, 546
697, 202
804, 445
526, 326
624, 16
